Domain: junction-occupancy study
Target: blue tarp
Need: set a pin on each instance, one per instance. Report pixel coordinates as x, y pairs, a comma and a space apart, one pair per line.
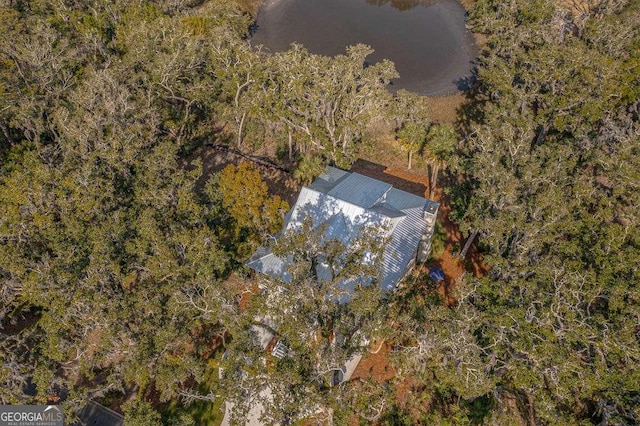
436, 274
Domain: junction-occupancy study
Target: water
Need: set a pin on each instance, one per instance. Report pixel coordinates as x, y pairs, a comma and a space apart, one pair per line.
426, 39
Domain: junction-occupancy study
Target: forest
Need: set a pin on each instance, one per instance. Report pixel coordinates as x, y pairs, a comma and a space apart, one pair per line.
122, 259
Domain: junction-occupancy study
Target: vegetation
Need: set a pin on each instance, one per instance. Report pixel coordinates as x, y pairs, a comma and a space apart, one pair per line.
309, 313
248, 213
116, 251
551, 157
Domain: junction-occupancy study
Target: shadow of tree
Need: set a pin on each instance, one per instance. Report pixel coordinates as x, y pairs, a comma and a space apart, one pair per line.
380, 172
215, 157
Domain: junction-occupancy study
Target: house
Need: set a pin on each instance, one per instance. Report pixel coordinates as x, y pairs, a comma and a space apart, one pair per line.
340, 204
94, 414
343, 202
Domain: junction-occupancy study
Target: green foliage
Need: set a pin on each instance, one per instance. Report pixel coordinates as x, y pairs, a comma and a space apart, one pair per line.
412, 136
438, 241
246, 197
549, 165
253, 213
113, 255
102, 231
327, 103
480, 408
112, 252
408, 107
201, 407
459, 193
309, 315
441, 153
441, 143
140, 413
308, 169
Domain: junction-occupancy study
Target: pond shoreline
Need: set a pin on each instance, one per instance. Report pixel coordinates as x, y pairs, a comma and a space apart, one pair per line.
429, 44
443, 108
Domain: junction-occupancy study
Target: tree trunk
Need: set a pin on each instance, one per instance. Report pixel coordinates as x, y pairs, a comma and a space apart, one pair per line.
410, 156
433, 179
290, 146
240, 127
472, 237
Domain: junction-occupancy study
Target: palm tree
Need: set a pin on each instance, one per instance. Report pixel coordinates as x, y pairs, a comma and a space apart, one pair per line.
308, 169
440, 150
412, 136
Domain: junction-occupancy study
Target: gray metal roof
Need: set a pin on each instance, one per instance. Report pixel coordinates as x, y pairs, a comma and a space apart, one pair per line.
402, 200
269, 264
332, 174
336, 227
360, 190
343, 202
387, 209
403, 247
94, 414
328, 179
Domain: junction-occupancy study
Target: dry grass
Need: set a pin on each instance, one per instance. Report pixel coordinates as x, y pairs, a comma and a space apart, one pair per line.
578, 7
467, 3
444, 109
250, 6
215, 157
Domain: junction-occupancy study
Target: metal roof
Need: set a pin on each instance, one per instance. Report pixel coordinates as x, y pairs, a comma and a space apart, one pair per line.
269, 264
388, 210
332, 174
94, 414
336, 227
343, 202
329, 179
402, 200
360, 190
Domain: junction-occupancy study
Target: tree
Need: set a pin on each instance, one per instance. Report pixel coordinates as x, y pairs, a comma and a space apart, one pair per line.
435, 353
241, 73
441, 150
407, 107
116, 282
308, 169
549, 161
327, 102
140, 413
310, 314
412, 136
253, 212
113, 266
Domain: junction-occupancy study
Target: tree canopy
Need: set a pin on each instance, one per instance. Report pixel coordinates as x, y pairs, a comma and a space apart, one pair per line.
116, 250
552, 162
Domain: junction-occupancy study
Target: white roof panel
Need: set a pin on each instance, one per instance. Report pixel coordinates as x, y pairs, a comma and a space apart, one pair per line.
353, 201
360, 190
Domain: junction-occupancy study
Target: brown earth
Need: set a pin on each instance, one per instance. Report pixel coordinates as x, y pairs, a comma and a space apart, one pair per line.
375, 365
418, 184
578, 7
443, 109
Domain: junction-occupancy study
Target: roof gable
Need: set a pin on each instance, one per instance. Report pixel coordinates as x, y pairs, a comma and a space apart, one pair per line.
341, 203
360, 190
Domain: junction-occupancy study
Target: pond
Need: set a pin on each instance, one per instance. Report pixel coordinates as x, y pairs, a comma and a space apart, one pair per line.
426, 39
